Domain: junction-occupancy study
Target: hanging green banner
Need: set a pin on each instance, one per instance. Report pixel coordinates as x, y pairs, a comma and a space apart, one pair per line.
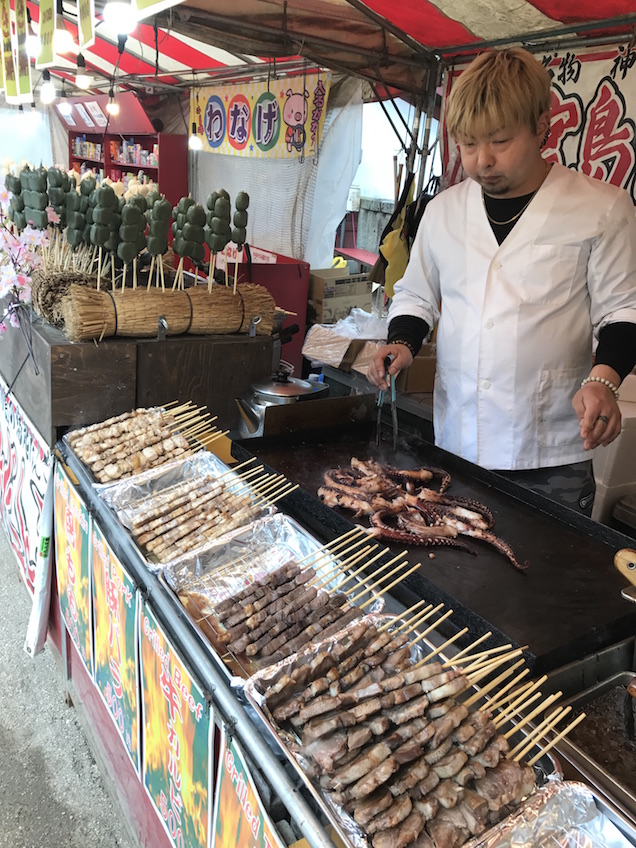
25, 92
46, 56
8, 62
86, 9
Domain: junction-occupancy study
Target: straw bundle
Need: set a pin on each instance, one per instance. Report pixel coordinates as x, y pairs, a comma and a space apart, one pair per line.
221, 311
48, 287
92, 314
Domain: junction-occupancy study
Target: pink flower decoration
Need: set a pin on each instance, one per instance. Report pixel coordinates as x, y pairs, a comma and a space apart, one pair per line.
52, 215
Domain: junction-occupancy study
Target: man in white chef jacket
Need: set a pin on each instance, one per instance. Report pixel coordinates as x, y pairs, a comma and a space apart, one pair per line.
520, 266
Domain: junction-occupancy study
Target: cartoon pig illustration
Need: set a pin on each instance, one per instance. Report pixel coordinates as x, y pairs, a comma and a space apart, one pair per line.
295, 115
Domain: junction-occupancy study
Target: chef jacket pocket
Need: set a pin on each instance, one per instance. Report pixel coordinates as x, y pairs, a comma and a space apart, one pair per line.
557, 423
549, 274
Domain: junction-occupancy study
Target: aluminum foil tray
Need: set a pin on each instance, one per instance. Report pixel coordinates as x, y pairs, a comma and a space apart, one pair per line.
205, 579
566, 814
545, 768
125, 496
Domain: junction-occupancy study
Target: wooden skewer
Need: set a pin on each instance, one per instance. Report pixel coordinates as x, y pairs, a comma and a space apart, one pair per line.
517, 698
312, 560
421, 617
391, 585
539, 732
403, 616
484, 657
486, 672
284, 494
453, 660
493, 683
425, 633
500, 696
99, 268
516, 712
352, 561
380, 580
493, 662
213, 437
163, 281
542, 707
407, 621
152, 268
557, 739
338, 568
372, 586
368, 563
445, 645
470, 658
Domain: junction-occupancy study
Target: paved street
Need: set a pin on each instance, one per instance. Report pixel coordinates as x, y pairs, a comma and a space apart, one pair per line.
52, 794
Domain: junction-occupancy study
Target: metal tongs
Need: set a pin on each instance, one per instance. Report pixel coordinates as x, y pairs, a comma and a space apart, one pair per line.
390, 378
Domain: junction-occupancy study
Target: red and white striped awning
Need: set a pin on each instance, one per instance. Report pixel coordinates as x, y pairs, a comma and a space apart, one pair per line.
390, 42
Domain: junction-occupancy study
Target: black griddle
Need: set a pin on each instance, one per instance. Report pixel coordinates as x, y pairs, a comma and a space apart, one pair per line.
566, 605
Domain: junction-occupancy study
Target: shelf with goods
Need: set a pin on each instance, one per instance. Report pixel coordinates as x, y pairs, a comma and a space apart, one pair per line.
126, 143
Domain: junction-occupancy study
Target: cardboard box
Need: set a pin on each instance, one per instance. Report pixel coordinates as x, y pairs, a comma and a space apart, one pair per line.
332, 295
420, 376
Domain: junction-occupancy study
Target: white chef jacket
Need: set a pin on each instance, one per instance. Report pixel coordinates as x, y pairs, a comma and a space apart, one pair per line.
516, 320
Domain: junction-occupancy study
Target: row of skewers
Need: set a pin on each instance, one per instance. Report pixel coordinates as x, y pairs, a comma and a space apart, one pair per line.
184, 517
135, 441
405, 746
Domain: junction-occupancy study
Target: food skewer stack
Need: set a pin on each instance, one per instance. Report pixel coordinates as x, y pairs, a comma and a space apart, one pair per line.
399, 745
302, 600
144, 438
190, 515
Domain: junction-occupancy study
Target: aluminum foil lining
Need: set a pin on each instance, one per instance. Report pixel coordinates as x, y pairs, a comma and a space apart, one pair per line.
562, 814
125, 496
224, 570
546, 767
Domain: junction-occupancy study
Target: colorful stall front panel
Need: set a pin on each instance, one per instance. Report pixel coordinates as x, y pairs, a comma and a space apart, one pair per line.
240, 819
115, 611
72, 552
176, 739
24, 471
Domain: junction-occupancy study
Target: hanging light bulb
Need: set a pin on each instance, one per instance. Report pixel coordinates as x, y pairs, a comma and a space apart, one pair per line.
63, 41
112, 107
194, 142
119, 17
82, 79
64, 107
47, 91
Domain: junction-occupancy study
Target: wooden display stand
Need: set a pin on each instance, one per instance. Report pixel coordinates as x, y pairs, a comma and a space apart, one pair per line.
126, 143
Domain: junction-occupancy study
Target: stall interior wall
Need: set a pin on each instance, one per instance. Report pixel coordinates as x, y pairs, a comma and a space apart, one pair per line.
295, 206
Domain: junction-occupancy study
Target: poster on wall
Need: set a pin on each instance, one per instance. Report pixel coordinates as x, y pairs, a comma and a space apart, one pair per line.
72, 552
240, 819
115, 614
24, 470
592, 128
282, 120
177, 727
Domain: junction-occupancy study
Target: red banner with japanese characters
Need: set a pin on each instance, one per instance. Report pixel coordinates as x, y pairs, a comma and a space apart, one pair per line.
593, 111
72, 565
115, 611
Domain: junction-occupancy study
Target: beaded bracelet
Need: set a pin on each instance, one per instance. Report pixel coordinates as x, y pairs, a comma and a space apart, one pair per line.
405, 343
605, 382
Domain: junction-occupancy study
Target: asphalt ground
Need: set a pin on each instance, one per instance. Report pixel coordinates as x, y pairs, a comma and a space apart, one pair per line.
53, 793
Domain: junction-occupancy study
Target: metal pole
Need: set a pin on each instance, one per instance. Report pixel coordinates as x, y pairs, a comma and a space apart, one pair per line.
433, 77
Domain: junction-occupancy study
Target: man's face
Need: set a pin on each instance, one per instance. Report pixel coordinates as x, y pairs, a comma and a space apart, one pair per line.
506, 163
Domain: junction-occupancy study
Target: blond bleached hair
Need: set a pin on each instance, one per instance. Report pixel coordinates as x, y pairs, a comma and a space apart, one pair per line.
500, 88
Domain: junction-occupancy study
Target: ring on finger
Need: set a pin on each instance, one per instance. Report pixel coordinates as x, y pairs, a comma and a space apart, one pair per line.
603, 418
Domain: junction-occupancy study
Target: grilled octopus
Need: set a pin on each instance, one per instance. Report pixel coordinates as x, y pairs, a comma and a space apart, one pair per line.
402, 509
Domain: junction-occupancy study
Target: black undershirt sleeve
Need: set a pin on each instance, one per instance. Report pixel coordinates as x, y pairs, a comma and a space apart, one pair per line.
617, 347
408, 329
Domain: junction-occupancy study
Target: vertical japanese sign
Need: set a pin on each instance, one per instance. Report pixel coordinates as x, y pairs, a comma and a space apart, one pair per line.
282, 121
72, 551
8, 62
176, 739
24, 471
592, 128
86, 29
46, 56
240, 820
25, 92
115, 612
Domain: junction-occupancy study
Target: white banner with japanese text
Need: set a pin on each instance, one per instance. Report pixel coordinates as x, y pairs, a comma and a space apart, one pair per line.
593, 111
282, 119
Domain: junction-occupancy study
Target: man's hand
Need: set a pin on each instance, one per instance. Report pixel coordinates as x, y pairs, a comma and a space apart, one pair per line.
402, 358
598, 414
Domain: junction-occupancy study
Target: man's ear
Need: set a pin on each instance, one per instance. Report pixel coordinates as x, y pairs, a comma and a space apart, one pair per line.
543, 125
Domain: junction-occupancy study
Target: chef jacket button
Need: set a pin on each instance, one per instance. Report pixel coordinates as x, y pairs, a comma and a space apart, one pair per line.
496, 265
490, 324
485, 384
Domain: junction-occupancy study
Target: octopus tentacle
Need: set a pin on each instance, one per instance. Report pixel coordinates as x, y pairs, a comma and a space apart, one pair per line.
503, 547
422, 537
337, 498
411, 476
457, 501
353, 482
